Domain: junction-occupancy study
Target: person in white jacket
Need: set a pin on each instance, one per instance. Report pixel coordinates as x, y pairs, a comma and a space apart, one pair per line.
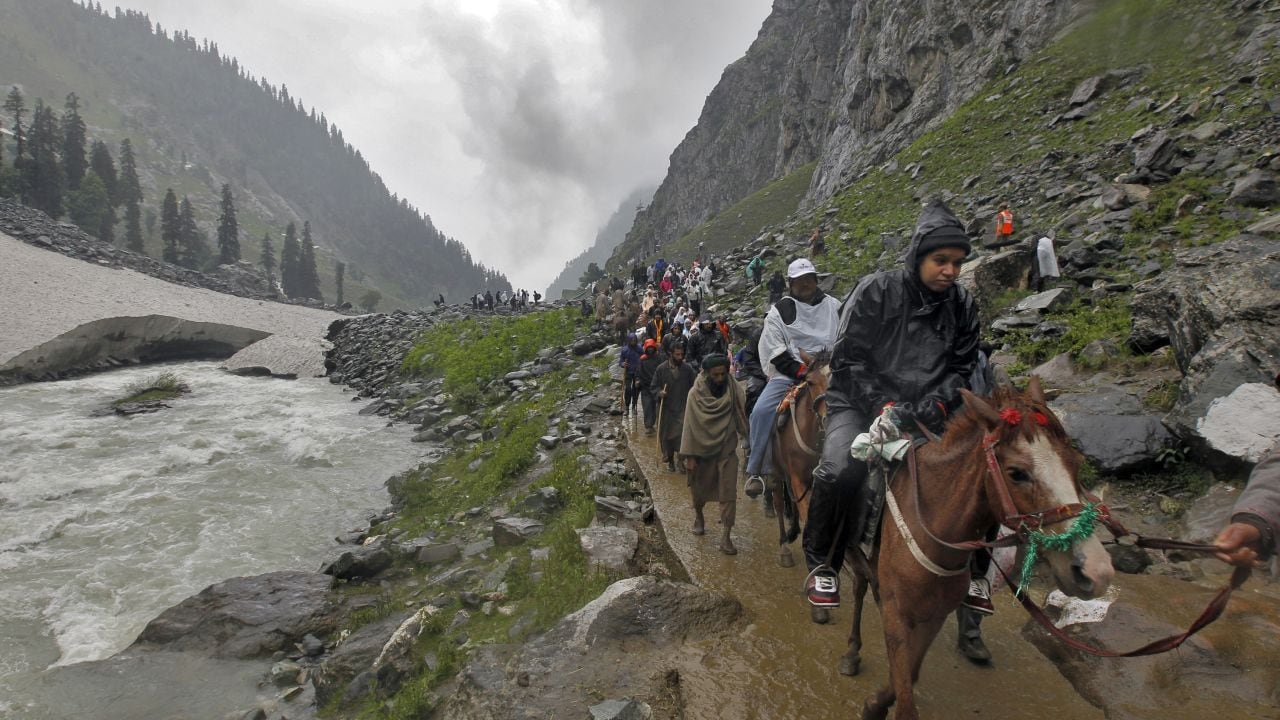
797, 327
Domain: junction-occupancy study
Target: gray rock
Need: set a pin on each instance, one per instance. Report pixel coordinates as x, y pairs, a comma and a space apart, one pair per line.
1155, 153
1242, 426
610, 546
1209, 514
438, 554
246, 617
1044, 302
1098, 352
353, 656
477, 548
549, 442
1059, 371
1209, 131
1087, 89
1004, 324
621, 710
990, 276
515, 530
1129, 559
311, 645
285, 673
361, 562
542, 502
1269, 225
1257, 189
1110, 428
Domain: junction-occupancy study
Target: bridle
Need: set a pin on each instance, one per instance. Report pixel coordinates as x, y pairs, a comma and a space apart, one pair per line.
1022, 525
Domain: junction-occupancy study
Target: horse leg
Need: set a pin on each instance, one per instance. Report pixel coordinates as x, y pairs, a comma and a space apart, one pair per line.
851, 661
775, 501
906, 643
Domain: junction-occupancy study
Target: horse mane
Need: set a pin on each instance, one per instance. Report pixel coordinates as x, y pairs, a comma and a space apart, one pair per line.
1024, 418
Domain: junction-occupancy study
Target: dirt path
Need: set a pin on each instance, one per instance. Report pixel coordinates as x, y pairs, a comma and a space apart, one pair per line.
785, 667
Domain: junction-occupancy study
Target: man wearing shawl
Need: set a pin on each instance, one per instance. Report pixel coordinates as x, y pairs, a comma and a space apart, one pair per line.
714, 421
671, 385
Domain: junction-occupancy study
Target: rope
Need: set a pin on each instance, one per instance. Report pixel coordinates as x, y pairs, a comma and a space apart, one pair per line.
1038, 540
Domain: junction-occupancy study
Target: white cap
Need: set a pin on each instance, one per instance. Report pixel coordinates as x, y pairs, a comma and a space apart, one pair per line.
800, 268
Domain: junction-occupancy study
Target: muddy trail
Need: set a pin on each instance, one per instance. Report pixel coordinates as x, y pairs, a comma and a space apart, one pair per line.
784, 666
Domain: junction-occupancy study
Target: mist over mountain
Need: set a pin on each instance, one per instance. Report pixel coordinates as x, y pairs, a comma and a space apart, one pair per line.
610, 236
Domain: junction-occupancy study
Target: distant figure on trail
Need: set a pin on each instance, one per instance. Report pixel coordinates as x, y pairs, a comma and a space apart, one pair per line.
671, 385
586, 308
439, 302
650, 361
537, 298
629, 360
1046, 266
714, 420
1004, 226
777, 285
755, 269
475, 301
602, 307
488, 300
817, 246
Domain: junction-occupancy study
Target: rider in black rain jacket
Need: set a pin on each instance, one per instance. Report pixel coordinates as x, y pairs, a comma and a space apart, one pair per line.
900, 342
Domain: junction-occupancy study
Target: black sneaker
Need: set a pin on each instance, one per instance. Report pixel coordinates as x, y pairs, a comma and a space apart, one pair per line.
979, 597
823, 588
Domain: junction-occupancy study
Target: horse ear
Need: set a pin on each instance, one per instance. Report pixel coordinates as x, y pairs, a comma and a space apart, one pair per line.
1035, 391
984, 411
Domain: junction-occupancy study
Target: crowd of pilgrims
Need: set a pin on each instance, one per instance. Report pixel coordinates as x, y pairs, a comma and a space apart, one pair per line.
901, 346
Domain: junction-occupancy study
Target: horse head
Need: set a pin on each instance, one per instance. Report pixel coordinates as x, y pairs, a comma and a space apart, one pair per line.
1036, 468
819, 379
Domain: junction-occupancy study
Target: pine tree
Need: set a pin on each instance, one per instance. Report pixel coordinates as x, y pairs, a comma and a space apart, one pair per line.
228, 230
267, 257
170, 226
308, 276
42, 175
16, 107
131, 196
89, 207
339, 271
289, 261
193, 251
100, 162
74, 135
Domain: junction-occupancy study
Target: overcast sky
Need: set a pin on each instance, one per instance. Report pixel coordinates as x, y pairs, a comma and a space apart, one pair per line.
517, 125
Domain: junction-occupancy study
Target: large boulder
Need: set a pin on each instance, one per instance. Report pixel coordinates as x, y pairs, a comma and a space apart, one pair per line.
1219, 306
246, 617
990, 276
610, 546
360, 562
1242, 426
1111, 430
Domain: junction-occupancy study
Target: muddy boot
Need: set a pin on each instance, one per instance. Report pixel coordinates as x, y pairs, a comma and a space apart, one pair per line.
726, 543
969, 640
699, 524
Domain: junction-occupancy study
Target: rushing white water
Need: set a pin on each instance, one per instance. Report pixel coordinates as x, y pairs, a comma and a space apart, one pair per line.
106, 521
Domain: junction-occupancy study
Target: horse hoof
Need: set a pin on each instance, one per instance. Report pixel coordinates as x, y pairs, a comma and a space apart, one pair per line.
872, 712
849, 666
819, 616
785, 560
768, 511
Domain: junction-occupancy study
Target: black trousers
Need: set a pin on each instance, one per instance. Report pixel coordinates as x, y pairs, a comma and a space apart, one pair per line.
630, 391
648, 404
839, 488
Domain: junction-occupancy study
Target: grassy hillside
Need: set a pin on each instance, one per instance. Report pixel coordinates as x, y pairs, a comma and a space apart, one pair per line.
198, 120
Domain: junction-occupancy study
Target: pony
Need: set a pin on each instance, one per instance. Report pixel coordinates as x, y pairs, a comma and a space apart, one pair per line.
796, 452
1003, 460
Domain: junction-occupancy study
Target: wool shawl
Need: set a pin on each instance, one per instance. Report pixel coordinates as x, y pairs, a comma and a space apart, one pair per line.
709, 420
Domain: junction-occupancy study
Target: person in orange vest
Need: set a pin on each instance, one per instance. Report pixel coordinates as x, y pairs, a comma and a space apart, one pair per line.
1004, 226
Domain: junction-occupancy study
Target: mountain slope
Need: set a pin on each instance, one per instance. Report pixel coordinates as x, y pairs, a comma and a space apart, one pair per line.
198, 119
845, 83
609, 237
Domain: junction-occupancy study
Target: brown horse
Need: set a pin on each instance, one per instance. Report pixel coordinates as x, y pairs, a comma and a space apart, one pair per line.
1011, 463
796, 451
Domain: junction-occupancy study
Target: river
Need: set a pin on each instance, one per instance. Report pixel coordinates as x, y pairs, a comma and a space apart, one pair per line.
106, 521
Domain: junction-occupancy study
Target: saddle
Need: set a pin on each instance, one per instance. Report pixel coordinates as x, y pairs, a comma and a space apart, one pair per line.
872, 500
793, 394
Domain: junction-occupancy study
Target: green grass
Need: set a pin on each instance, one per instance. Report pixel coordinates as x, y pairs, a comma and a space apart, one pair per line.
741, 222
1108, 319
165, 386
472, 353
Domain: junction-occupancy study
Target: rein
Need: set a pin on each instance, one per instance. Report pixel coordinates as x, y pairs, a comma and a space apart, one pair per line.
1027, 528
